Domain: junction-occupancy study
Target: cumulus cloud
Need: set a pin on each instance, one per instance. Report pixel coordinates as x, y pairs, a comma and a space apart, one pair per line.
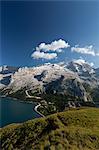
49, 51
43, 55
84, 50
54, 46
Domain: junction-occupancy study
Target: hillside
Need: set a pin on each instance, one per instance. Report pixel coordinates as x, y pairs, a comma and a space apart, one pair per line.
70, 130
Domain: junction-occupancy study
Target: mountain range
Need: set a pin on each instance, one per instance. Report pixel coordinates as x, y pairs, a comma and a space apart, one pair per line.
76, 81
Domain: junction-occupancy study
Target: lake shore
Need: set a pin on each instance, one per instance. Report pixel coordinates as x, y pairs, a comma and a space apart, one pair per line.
28, 102
31, 101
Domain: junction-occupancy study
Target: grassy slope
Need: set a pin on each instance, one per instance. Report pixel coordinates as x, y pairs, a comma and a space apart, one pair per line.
70, 130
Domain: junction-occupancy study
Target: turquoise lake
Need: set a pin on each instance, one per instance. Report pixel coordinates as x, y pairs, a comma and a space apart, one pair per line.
14, 111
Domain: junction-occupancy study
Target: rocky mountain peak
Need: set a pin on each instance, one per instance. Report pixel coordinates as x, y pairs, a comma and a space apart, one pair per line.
58, 78
81, 67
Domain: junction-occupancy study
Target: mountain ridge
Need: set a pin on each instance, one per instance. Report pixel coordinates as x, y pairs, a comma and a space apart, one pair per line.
74, 81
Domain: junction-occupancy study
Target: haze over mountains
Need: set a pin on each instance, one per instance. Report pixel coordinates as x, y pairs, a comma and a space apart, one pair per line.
77, 78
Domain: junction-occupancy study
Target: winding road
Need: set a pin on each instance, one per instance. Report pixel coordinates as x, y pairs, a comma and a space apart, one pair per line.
36, 97
29, 96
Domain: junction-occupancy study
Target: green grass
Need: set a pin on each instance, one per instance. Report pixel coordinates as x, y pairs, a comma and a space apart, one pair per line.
70, 130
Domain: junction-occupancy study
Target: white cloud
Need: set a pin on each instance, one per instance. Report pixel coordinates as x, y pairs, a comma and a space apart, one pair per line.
54, 46
84, 50
43, 50
43, 55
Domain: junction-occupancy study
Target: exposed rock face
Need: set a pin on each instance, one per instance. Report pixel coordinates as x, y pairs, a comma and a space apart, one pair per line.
72, 79
97, 73
82, 68
6, 75
70, 86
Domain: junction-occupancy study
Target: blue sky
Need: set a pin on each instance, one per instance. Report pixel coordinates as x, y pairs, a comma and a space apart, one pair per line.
27, 24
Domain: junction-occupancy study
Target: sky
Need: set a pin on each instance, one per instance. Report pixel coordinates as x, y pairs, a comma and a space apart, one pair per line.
37, 32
